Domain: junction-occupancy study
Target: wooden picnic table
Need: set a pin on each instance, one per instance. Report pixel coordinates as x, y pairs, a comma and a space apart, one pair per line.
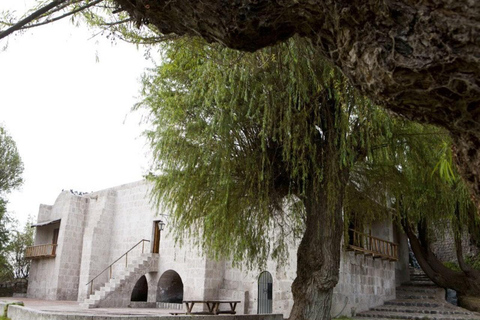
212, 305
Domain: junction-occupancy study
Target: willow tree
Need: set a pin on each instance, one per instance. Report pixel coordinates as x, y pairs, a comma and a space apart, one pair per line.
247, 143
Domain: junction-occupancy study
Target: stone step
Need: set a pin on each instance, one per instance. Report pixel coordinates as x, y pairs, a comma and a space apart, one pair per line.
431, 303
418, 288
415, 296
417, 316
425, 310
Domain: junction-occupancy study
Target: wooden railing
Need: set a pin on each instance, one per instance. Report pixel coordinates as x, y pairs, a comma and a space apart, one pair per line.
110, 267
368, 245
41, 251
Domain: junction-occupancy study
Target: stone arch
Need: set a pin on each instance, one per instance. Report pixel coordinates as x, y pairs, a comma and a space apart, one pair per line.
140, 290
170, 287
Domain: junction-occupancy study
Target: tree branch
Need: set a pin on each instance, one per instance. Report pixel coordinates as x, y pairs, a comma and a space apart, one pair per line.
91, 4
20, 24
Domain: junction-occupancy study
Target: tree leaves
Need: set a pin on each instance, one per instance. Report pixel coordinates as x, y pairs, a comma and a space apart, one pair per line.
238, 136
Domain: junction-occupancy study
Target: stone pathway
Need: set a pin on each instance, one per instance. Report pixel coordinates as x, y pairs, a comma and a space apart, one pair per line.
419, 299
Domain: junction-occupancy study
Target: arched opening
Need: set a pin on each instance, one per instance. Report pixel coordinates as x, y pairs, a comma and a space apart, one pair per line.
170, 288
140, 291
265, 292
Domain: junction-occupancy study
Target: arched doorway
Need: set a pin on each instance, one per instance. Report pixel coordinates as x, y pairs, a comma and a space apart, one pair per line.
265, 292
140, 291
170, 288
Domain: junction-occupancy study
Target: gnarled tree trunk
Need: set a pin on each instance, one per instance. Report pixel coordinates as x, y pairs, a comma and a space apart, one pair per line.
318, 256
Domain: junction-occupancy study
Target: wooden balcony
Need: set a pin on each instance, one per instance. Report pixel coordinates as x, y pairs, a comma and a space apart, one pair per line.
41, 251
363, 243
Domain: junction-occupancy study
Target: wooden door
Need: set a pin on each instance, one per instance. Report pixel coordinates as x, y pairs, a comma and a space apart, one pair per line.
156, 237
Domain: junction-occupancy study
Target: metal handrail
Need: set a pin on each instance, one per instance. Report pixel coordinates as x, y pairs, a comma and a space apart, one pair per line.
126, 262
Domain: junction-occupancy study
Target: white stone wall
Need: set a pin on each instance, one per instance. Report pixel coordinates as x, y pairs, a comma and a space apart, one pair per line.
44, 273
364, 282
96, 241
45, 213
98, 228
69, 249
40, 285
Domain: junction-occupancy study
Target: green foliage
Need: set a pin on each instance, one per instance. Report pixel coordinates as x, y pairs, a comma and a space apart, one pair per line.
4, 220
11, 166
20, 240
11, 169
239, 137
452, 266
415, 170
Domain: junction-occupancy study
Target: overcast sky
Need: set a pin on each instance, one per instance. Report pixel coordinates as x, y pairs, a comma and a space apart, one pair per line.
69, 113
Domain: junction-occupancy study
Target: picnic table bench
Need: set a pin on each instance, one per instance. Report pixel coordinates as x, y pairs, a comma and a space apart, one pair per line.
213, 306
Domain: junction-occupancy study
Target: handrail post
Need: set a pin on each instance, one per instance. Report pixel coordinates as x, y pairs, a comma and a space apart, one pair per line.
143, 245
110, 271
91, 287
126, 260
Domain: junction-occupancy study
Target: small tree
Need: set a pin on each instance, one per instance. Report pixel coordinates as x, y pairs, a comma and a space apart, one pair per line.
247, 143
11, 166
11, 169
19, 265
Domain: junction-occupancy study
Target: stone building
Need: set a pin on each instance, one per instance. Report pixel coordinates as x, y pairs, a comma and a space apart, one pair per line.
81, 235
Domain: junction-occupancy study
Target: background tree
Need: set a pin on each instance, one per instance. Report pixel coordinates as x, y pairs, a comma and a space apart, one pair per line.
5, 272
20, 266
245, 144
11, 168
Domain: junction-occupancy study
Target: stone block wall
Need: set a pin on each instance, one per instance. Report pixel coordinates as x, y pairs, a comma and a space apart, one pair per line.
364, 282
98, 228
57, 278
45, 213
69, 249
40, 278
443, 243
188, 263
96, 241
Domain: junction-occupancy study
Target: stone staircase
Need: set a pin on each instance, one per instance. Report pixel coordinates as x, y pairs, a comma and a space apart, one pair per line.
418, 299
147, 262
